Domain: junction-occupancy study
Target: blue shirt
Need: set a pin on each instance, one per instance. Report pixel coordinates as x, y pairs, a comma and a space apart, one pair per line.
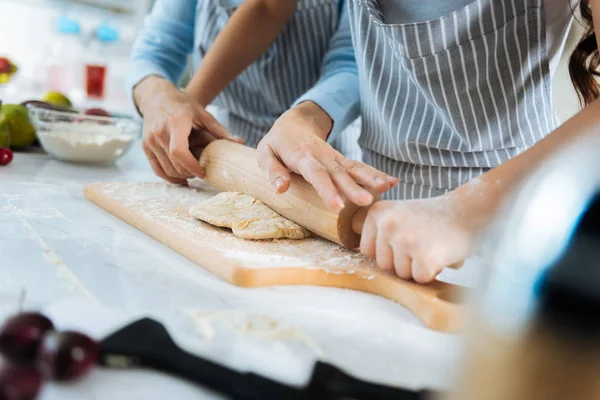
168, 37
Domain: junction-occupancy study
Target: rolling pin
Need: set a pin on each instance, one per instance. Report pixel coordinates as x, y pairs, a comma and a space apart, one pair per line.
231, 166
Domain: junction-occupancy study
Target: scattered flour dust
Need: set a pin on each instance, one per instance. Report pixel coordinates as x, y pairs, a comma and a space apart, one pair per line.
90, 142
262, 259
169, 206
62, 271
262, 327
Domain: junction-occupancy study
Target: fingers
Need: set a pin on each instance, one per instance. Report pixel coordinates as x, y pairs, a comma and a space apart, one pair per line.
162, 153
154, 152
178, 149
156, 148
367, 176
383, 253
384, 241
413, 238
157, 168
166, 165
402, 265
318, 176
181, 144
424, 271
214, 127
279, 176
349, 178
348, 186
368, 236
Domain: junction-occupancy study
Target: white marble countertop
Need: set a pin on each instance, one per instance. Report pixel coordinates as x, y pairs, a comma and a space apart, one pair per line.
93, 272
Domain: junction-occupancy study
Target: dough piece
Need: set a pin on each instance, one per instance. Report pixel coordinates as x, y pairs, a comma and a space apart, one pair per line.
247, 217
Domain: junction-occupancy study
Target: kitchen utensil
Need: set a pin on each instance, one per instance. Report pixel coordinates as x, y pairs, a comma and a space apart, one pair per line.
147, 344
233, 167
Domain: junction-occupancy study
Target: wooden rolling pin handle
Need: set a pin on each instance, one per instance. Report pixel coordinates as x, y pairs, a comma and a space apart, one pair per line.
230, 166
358, 219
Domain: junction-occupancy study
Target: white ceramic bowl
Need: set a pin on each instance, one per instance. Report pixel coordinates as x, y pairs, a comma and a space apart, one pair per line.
76, 137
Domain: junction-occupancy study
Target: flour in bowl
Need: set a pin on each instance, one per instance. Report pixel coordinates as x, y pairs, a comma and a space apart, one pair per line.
85, 142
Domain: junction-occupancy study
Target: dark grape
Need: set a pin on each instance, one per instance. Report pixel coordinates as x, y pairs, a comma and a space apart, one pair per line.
67, 355
6, 156
21, 335
19, 383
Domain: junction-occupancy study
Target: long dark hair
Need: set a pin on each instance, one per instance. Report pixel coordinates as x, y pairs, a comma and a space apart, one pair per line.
584, 63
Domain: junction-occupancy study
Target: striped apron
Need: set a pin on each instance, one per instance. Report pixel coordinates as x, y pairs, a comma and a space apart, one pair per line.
251, 104
445, 100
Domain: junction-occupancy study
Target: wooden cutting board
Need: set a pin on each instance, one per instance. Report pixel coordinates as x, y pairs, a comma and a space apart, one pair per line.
161, 210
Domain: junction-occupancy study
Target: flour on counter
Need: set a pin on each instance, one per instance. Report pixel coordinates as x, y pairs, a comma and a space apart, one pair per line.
261, 327
62, 271
90, 142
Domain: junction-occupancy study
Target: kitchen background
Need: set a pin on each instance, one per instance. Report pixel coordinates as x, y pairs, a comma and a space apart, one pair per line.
30, 37
54, 40
92, 272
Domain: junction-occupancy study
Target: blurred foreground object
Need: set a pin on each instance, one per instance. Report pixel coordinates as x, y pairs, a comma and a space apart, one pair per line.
536, 330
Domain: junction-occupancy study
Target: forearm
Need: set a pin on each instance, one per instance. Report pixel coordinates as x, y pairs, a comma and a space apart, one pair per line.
488, 192
247, 36
163, 44
337, 92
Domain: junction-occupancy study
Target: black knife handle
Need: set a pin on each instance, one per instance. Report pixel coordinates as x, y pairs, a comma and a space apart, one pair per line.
146, 343
238, 385
334, 382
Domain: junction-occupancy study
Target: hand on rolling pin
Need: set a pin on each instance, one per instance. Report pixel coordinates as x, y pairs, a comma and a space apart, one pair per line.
297, 143
416, 239
174, 124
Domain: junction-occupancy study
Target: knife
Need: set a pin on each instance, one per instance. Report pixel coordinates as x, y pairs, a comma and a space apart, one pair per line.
146, 343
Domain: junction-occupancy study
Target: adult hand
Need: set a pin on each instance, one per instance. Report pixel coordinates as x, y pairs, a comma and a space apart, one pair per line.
175, 127
297, 143
416, 239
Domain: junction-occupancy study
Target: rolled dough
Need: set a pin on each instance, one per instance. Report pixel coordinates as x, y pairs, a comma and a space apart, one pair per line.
247, 217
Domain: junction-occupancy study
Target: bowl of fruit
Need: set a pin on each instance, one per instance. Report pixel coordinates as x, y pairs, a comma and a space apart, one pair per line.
84, 136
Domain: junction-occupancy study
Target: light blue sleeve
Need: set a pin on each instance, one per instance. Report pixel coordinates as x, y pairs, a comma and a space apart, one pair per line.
164, 42
337, 91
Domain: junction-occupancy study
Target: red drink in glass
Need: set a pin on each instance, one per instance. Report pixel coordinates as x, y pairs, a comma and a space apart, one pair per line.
95, 80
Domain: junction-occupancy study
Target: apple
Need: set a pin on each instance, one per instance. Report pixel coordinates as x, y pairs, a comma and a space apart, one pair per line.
5, 66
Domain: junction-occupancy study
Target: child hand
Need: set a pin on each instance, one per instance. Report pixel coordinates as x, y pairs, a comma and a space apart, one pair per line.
416, 239
297, 143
